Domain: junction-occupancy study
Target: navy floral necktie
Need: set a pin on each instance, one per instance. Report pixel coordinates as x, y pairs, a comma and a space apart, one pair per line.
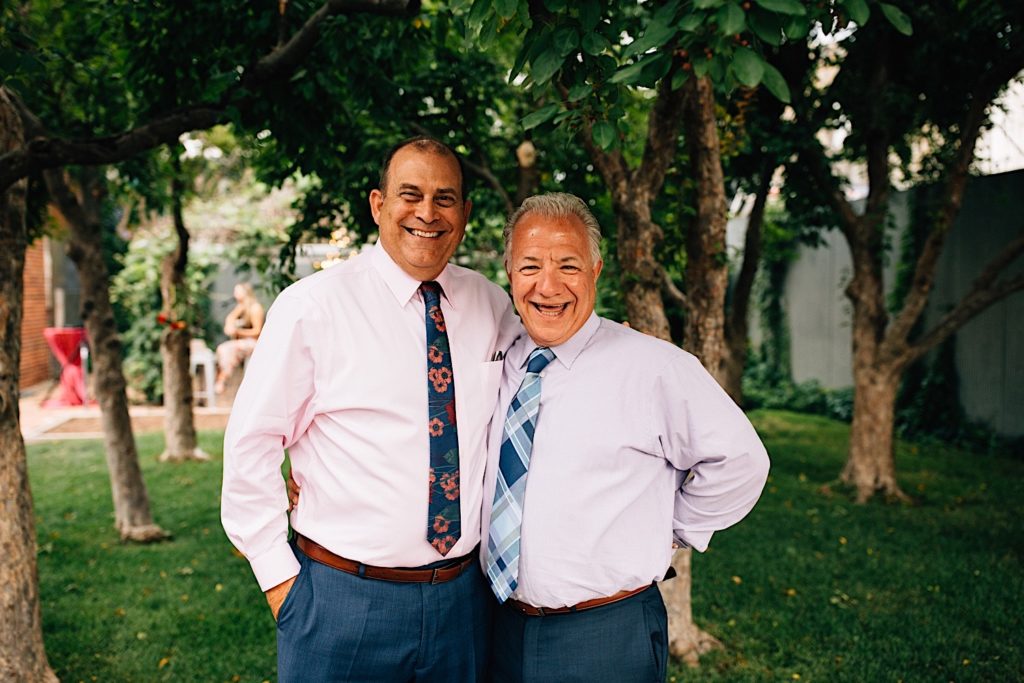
444, 517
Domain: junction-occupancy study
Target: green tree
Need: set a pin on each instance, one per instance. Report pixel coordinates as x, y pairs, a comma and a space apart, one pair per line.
922, 100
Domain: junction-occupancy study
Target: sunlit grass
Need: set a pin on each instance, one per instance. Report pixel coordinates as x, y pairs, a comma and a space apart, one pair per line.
810, 587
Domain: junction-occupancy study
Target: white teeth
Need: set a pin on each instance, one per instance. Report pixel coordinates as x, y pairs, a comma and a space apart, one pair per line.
551, 311
424, 233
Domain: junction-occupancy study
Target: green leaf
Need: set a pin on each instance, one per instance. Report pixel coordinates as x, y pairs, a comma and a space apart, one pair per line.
566, 39
595, 43
691, 22
858, 11
666, 13
567, 114
545, 65
701, 66
555, 5
638, 72
481, 8
783, 6
707, 4
678, 78
506, 8
776, 84
730, 19
797, 28
604, 135
897, 18
530, 45
656, 35
766, 26
590, 14
579, 91
534, 119
748, 65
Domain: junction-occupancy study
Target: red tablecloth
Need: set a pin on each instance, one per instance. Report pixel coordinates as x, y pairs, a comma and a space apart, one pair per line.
66, 343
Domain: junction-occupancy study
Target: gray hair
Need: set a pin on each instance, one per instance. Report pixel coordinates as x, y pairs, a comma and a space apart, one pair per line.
557, 205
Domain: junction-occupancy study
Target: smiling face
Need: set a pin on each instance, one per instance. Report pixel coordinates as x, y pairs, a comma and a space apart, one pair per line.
421, 212
553, 276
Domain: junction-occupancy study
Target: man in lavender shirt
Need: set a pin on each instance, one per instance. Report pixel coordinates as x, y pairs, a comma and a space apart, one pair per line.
341, 377
636, 451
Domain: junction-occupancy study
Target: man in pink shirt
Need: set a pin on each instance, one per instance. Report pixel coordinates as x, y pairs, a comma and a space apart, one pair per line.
379, 376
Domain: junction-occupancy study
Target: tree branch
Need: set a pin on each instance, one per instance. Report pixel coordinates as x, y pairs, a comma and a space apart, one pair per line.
663, 125
819, 170
44, 152
611, 165
956, 180
984, 292
737, 321
671, 292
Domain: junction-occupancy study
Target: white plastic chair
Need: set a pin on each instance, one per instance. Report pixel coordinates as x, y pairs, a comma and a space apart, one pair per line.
201, 355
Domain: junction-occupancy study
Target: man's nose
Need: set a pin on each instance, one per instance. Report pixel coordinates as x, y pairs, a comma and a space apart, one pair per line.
426, 211
549, 283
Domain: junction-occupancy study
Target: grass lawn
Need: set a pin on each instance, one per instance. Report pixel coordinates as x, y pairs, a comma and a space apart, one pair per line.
810, 587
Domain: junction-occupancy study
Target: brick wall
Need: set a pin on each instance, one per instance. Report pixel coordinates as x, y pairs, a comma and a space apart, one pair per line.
35, 355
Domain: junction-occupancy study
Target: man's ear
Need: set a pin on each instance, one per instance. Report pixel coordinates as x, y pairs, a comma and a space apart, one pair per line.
468, 209
597, 269
376, 202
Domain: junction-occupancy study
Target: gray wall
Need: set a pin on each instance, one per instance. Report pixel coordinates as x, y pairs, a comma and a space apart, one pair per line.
989, 349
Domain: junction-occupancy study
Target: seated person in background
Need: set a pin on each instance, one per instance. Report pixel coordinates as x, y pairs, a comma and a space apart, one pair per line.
242, 326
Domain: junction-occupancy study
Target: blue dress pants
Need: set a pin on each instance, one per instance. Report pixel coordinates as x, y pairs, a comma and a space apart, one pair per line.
335, 626
623, 642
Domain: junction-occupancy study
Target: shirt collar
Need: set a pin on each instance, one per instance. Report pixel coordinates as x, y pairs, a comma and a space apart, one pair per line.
402, 285
567, 352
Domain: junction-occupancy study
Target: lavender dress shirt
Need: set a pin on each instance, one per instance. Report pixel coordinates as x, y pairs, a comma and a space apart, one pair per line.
623, 418
338, 378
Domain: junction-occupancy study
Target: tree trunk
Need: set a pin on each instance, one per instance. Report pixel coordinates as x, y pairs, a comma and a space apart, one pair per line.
737, 328
641, 272
179, 426
22, 655
707, 268
870, 467
132, 517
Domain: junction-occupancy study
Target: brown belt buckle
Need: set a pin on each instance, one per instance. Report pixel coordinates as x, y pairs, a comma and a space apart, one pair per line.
433, 579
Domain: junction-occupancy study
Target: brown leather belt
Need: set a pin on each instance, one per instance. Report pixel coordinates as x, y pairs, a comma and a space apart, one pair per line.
320, 554
531, 611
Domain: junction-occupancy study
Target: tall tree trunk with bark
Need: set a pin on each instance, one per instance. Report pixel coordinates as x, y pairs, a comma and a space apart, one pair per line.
179, 425
132, 517
22, 655
644, 284
707, 263
736, 325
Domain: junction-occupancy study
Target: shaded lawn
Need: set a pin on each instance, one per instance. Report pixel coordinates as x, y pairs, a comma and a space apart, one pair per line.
810, 587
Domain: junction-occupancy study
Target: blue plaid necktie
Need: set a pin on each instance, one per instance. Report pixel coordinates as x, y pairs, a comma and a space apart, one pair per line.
443, 514
507, 510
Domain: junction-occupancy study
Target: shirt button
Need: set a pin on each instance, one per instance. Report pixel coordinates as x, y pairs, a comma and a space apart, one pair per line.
543, 373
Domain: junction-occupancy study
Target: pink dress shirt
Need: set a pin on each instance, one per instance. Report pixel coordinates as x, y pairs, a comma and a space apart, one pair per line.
623, 419
338, 378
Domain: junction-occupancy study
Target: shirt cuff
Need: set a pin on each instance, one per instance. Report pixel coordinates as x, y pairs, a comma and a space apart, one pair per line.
275, 566
698, 540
